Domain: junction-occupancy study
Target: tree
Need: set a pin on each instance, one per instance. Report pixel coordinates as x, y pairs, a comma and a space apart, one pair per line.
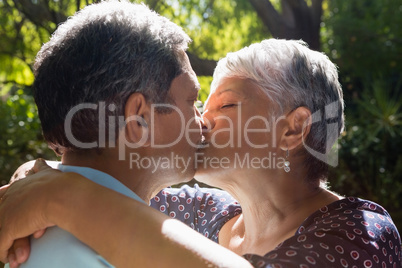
214, 25
298, 20
364, 40
287, 19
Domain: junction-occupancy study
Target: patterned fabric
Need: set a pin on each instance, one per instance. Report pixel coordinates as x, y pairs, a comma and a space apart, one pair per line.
351, 232
203, 209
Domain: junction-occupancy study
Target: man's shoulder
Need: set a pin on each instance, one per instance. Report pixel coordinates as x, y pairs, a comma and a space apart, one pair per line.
59, 248
22, 171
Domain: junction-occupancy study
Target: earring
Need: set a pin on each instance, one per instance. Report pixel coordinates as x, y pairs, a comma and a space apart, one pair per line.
286, 163
141, 122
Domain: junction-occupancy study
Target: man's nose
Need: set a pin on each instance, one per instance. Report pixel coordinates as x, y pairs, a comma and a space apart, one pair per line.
198, 118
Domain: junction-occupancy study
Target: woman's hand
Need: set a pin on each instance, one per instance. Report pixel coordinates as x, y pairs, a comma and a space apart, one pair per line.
23, 212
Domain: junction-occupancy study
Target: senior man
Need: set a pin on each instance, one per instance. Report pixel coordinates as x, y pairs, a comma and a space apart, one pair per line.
115, 94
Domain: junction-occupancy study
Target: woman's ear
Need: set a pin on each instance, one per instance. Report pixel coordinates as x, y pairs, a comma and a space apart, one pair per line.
297, 128
137, 116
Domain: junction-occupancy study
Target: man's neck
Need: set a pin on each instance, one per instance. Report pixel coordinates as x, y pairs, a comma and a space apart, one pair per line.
107, 162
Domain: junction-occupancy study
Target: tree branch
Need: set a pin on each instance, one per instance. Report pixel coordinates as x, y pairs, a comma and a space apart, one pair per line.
39, 13
270, 17
288, 15
152, 4
202, 67
316, 11
297, 3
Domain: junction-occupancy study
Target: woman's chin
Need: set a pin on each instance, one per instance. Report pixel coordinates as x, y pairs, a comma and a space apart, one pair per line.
202, 174
213, 176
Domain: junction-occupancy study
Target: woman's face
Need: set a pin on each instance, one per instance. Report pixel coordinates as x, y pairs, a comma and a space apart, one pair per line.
240, 130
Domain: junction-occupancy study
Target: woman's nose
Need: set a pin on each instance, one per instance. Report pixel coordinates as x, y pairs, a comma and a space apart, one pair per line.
207, 122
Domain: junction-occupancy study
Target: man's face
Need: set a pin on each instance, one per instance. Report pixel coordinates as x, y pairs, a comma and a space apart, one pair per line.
177, 134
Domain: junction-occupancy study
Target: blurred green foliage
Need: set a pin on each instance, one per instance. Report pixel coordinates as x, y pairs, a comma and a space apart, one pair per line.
20, 134
205, 82
370, 156
364, 39
217, 27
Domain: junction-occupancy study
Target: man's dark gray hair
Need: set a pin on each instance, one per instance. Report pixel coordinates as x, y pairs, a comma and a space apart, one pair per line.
104, 53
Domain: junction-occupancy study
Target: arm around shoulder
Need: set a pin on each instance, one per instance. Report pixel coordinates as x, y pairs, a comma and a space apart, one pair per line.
131, 234
127, 233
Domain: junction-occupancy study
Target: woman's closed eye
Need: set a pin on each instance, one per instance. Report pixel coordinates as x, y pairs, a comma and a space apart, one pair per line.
229, 105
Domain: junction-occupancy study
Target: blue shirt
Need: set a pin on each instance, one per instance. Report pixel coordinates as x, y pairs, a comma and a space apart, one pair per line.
57, 247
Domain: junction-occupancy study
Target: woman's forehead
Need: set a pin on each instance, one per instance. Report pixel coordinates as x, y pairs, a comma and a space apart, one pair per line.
243, 88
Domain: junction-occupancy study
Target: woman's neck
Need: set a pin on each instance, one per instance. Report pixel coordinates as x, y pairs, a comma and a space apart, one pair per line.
273, 209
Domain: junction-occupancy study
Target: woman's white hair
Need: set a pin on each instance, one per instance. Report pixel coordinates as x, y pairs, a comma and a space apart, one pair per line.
292, 75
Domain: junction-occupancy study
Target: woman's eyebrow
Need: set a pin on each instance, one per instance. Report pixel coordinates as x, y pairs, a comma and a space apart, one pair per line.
230, 90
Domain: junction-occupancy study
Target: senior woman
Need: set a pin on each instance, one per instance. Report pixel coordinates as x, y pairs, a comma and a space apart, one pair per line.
274, 111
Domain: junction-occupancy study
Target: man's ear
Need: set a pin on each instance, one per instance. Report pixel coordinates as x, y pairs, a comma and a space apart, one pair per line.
297, 128
137, 116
